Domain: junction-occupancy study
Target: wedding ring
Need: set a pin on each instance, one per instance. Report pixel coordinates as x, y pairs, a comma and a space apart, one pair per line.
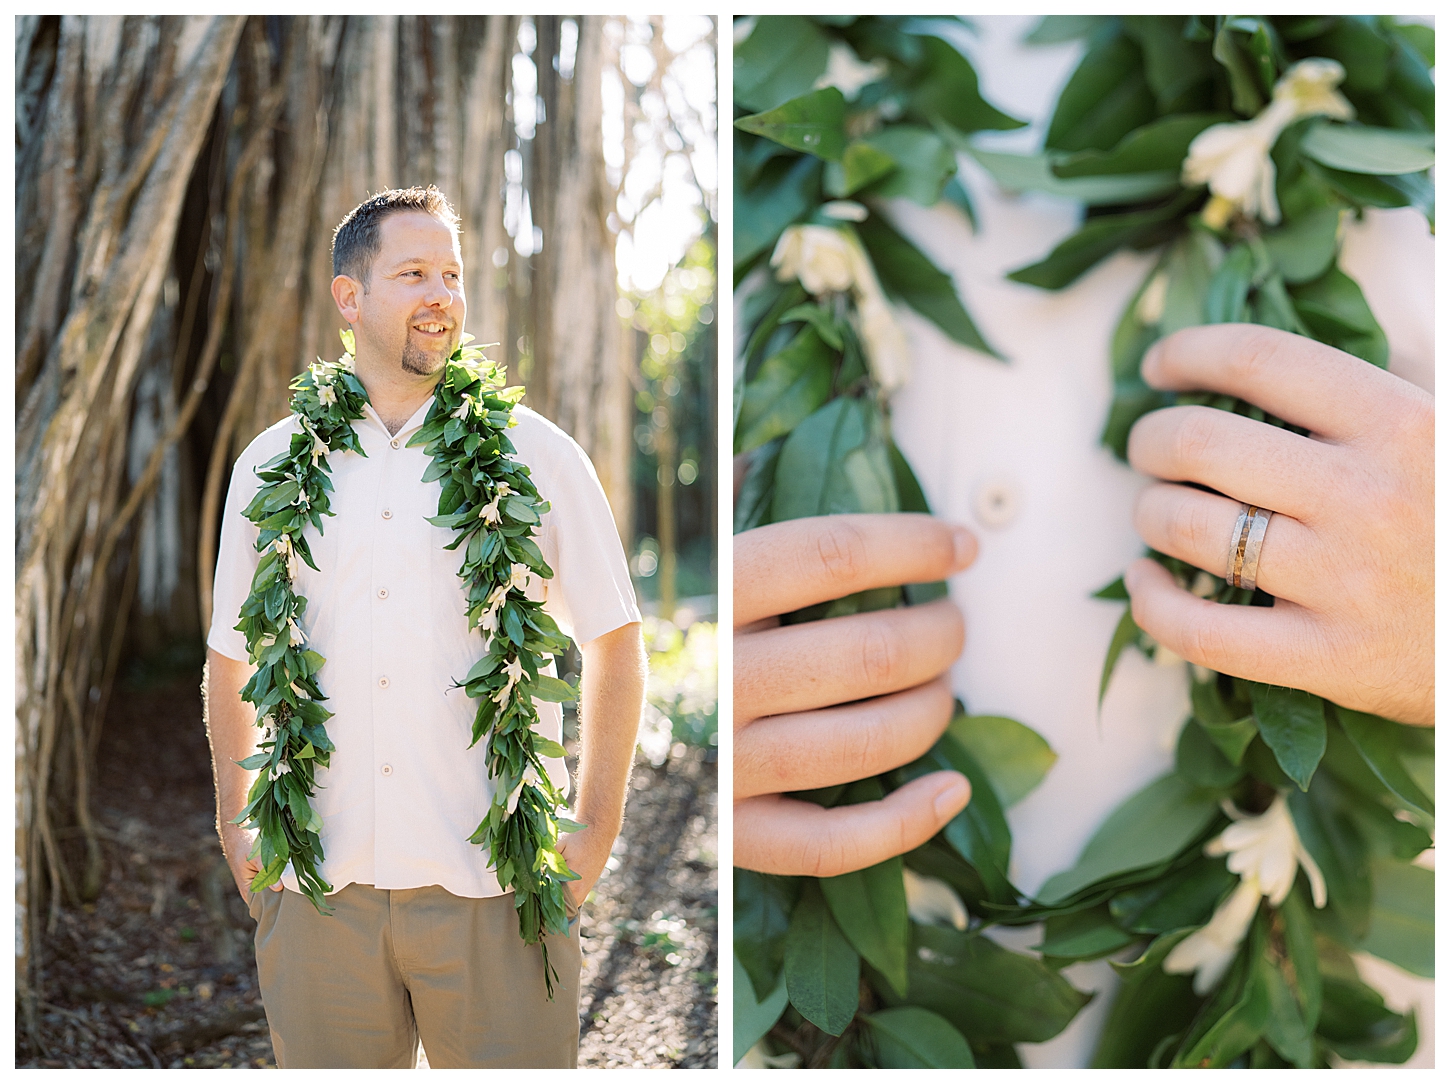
1248, 543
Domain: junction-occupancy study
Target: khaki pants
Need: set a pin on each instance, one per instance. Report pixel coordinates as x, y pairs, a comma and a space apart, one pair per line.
358, 989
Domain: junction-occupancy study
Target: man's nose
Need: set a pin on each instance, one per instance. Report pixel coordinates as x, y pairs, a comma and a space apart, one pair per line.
438, 292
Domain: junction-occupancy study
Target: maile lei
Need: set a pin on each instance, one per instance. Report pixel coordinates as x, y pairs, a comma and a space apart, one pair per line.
1285, 837
490, 502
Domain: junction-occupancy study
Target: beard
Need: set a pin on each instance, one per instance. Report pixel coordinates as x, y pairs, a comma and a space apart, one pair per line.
421, 362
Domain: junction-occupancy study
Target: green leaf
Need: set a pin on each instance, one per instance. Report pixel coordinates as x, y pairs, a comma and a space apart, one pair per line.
1358, 1026
763, 905
1402, 917
1150, 827
754, 1018
1285, 1029
1157, 147
911, 1037
1199, 759
979, 833
1226, 301
1014, 757
1334, 309
834, 461
1082, 935
1303, 954
781, 59
757, 492
860, 164
552, 690
1379, 743
787, 190
1243, 1021
869, 905
1332, 840
1174, 63
813, 123
946, 90
1359, 148
1231, 735
1098, 239
907, 275
255, 761
924, 163
1291, 722
1052, 29
1248, 96
988, 993
1105, 98
1185, 897
547, 747
1033, 173
1125, 634
822, 970
1149, 1007
789, 386
1303, 249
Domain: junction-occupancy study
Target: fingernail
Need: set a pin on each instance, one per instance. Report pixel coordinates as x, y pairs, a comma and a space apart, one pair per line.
964, 548
1151, 360
952, 797
1130, 577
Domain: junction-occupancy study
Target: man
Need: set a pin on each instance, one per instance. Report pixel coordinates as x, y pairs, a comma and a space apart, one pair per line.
422, 942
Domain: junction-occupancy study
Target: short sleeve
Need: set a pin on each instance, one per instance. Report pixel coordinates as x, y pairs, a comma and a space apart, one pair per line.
235, 564
591, 592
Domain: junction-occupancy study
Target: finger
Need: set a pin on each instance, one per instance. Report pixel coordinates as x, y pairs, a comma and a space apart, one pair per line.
776, 834
1293, 377
785, 566
1253, 642
1199, 528
1241, 458
836, 745
820, 663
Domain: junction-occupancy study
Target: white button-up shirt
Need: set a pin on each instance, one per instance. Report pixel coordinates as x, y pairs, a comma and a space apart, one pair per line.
388, 612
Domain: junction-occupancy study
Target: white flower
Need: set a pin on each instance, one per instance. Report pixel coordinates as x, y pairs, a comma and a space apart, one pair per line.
1266, 852
326, 395
1268, 848
846, 73
531, 778
488, 622
269, 727
885, 342
519, 577
266, 641
514, 670
931, 902
489, 512
828, 260
822, 257
464, 408
504, 490
1151, 300
282, 768
294, 634
844, 210
1233, 158
283, 545
1209, 951
345, 363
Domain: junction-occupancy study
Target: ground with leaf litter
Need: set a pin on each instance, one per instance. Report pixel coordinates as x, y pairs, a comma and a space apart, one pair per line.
158, 971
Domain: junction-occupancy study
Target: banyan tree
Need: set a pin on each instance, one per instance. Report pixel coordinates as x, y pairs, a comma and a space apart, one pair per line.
177, 183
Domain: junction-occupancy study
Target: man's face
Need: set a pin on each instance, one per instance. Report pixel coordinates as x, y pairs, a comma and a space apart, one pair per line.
413, 309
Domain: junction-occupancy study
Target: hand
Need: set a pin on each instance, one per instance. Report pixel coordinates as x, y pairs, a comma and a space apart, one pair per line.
1350, 554
845, 698
586, 851
236, 845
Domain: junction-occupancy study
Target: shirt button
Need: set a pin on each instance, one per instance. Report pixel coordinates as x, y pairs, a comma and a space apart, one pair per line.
387, 513
387, 769
382, 683
996, 502
382, 592
394, 443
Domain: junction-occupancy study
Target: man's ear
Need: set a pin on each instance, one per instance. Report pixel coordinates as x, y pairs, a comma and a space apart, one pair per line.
347, 291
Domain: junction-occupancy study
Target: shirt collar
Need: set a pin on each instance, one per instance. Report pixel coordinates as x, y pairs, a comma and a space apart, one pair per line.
411, 426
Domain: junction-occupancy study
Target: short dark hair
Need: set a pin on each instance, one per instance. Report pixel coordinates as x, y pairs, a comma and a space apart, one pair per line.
355, 242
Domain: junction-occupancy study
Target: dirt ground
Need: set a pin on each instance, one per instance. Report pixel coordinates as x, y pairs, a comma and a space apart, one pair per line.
158, 972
